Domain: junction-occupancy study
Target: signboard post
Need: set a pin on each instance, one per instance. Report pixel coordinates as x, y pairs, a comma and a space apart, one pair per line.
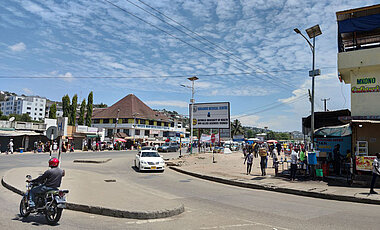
62, 131
214, 115
211, 115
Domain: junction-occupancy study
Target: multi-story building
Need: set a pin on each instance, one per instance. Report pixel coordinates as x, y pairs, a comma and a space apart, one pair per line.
32, 105
134, 118
359, 65
59, 112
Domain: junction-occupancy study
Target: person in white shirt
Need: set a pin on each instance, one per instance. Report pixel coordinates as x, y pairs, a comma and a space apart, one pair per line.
11, 146
375, 173
293, 164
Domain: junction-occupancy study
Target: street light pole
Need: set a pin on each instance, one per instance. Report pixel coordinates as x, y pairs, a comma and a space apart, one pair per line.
192, 79
312, 32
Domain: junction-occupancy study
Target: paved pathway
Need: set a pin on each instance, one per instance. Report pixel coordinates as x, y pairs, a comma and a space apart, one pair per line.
229, 167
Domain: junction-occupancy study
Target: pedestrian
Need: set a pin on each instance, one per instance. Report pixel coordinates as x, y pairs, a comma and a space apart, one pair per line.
278, 146
375, 173
263, 160
303, 160
293, 165
275, 164
249, 160
337, 159
10, 146
55, 146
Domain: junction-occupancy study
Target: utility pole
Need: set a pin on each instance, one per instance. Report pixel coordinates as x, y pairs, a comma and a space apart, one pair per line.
325, 102
117, 120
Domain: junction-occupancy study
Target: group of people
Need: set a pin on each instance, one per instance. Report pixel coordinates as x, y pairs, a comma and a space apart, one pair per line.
264, 151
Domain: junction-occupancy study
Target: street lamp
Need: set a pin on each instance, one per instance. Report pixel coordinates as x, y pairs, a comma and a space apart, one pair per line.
192, 79
312, 32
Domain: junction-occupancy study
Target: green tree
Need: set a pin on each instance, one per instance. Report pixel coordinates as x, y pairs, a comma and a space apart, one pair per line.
66, 105
53, 111
249, 133
236, 128
90, 101
82, 112
73, 110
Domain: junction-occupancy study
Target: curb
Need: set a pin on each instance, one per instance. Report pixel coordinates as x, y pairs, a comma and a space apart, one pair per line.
92, 161
278, 189
109, 211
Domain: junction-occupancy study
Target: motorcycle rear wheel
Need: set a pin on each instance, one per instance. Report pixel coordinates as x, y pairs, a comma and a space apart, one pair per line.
53, 214
24, 207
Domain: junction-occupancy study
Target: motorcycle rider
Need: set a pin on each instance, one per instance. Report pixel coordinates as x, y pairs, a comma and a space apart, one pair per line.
51, 180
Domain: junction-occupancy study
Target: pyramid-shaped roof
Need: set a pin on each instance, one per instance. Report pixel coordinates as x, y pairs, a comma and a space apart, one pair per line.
130, 107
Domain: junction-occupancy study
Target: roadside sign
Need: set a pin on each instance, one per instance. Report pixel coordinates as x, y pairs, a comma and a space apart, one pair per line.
52, 133
211, 115
62, 126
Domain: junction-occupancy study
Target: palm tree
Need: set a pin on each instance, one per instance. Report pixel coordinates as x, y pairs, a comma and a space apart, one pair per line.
236, 128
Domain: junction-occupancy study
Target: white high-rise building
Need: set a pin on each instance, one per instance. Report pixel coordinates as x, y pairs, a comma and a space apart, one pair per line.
32, 105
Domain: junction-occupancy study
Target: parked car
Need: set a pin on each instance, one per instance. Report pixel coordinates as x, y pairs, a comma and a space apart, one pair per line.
148, 148
168, 147
149, 160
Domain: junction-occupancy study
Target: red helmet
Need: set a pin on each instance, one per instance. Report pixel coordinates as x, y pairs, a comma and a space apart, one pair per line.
53, 162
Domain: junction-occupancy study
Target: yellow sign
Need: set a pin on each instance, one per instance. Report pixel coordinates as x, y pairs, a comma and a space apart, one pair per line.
194, 121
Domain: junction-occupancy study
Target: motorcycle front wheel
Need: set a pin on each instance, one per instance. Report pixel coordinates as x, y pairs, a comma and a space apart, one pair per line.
24, 207
53, 214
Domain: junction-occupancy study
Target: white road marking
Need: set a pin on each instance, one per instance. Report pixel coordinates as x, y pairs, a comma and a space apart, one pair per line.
149, 221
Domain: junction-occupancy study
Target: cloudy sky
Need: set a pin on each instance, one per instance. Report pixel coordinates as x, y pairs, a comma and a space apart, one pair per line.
244, 52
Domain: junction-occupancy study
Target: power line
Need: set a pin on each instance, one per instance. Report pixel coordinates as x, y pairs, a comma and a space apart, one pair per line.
164, 31
241, 61
153, 76
272, 106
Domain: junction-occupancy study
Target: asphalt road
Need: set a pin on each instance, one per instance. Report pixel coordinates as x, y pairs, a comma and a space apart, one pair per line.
208, 205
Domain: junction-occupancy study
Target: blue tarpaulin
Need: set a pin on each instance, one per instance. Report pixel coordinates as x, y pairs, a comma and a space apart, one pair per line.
365, 23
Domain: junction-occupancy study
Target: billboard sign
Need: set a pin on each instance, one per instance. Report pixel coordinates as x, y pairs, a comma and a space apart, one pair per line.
211, 115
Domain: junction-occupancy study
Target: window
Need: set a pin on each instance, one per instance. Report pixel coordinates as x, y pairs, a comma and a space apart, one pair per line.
40, 114
28, 108
40, 109
124, 120
137, 132
114, 120
28, 113
106, 121
151, 122
142, 121
146, 133
96, 121
165, 124
35, 109
126, 131
158, 123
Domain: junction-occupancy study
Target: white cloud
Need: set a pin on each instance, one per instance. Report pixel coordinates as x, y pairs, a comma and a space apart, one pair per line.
18, 47
247, 120
27, 91
181, 104
67, 77
116, 65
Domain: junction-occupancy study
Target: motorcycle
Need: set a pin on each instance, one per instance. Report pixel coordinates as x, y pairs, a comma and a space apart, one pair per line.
50, 203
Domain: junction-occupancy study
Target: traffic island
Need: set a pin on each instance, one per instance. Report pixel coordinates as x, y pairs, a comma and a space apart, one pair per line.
92, 161
91, 193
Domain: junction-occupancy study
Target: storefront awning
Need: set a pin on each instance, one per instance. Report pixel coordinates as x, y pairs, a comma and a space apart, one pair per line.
92, 135
334, 131
18, 133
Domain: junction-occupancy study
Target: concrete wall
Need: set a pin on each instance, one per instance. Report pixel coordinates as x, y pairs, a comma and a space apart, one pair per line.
362, 64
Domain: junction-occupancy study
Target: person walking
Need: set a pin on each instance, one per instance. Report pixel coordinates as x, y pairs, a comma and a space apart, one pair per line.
10, 146
263, 160
293, 165
375, 173
278, 147
249, 160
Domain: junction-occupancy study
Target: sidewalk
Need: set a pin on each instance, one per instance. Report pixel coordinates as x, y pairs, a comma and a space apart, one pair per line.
76, 151
229, 169
99, 194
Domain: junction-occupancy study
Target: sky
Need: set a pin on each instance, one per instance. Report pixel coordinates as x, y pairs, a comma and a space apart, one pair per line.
244, 52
